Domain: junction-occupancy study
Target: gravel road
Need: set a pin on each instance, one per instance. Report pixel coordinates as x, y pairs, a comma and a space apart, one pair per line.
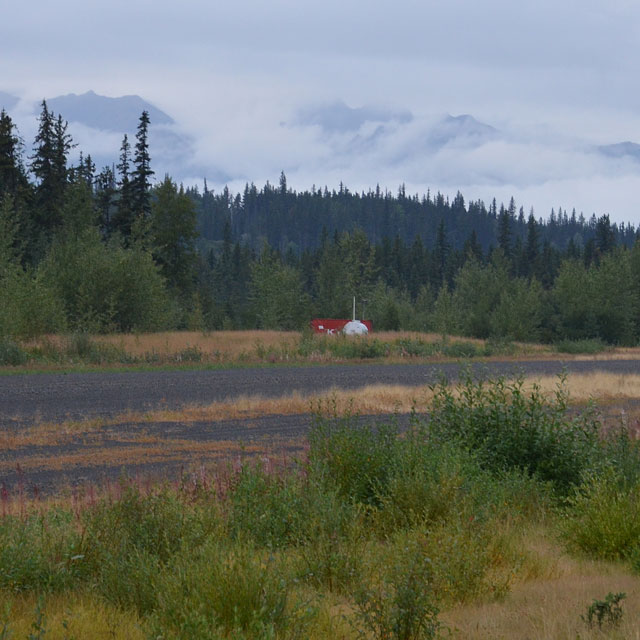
47, 459
55, 397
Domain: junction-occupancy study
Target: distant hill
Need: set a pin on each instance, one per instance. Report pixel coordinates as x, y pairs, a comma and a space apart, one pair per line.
119, 115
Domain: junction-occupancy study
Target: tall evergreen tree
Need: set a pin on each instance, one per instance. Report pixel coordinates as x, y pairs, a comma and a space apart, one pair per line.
533, 245
10, 249
49, 166
12, 175
105, 193
141, 175
440, 256
123, 216
605, 237
505, 233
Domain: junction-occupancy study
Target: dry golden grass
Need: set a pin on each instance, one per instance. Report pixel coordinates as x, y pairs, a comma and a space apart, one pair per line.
157, 452
548, 597
235, 345
370, 400
375, 399
229, 344
549, 605
243, 347
551, 609
599, 385
85, 617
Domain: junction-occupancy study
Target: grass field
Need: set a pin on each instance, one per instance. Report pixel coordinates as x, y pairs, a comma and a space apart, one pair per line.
241, 348
504, 513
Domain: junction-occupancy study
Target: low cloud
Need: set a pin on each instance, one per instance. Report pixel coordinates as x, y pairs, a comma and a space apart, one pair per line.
324, 143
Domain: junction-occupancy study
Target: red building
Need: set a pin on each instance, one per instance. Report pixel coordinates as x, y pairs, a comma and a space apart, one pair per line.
331, 325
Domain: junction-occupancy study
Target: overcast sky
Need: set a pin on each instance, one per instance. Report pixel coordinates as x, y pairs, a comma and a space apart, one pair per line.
262, 87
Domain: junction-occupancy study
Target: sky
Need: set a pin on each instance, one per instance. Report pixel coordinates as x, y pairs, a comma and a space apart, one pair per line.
360, 92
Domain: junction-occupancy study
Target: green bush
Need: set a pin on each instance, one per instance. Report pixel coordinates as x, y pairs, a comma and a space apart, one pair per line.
40, 553
402, 605
277, 512
215, 592
190, 354
265, 509
333, 535
509, 428
11, 353
414, 347
105, 287
499, 346
29, 306
603, 516
426, 482
82, 348
356, 459
587, 345
460, 350
605, 613
127, 541
357, 348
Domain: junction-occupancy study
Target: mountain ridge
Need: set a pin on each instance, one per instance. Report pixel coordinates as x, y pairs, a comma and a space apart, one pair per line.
117, 115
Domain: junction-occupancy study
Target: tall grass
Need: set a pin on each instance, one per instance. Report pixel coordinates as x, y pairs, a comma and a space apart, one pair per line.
240, 347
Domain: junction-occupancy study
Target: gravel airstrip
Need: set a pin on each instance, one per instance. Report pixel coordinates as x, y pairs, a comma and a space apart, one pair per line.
38, 456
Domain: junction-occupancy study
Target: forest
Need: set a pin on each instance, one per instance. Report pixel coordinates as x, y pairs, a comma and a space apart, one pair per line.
121, 250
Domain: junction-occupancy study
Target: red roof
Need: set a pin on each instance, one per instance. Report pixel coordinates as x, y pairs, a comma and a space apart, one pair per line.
333, 325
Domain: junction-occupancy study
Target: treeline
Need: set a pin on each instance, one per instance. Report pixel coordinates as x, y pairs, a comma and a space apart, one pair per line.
297, 221
110, 251
554, 296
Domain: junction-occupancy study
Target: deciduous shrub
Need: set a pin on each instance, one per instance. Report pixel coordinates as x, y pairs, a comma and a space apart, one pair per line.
509, 427
603, 518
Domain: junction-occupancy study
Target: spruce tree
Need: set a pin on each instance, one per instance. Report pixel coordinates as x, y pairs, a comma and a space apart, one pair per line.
533, 245
504, 232
49, 166
105, 192
123, 216
12, 175
141, 176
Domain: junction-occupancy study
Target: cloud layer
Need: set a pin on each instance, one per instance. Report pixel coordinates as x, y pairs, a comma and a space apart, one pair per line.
358, 91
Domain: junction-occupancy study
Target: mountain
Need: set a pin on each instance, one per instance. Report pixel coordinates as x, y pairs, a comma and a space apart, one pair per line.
7, 101
119, 115
620, 150
104, 120
338, 117
460, 129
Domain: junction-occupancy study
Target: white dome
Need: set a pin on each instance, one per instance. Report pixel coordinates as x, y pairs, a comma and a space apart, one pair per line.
355, 328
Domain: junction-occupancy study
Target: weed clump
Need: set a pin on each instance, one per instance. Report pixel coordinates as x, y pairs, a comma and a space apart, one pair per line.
607, 612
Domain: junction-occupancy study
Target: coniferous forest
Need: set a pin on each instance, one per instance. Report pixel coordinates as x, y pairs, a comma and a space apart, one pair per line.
120, 249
